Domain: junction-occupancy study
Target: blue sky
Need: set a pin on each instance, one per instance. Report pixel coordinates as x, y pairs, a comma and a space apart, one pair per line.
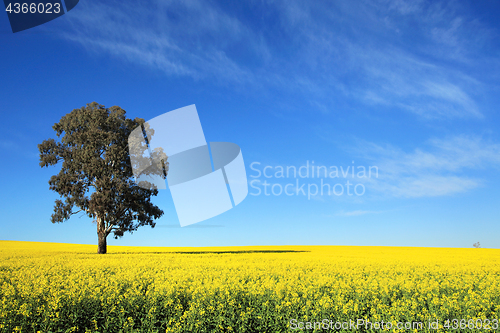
411, 87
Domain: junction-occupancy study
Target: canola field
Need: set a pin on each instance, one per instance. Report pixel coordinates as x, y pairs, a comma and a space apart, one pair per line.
48, 287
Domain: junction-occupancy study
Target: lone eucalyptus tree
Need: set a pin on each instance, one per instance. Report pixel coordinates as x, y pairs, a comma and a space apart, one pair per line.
96, 175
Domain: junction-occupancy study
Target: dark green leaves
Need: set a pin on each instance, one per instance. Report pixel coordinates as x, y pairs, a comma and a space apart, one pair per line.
96, 176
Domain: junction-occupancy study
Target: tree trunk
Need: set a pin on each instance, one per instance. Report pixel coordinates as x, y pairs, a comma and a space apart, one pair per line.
101, 235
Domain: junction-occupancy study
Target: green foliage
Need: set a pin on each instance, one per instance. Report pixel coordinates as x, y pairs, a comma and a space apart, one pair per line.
96, 175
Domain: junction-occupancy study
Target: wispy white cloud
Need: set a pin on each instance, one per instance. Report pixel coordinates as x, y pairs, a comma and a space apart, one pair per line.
173, 37
406, 7
363, 50
400, 80
444, 168
9, 144
357, 212
21, 148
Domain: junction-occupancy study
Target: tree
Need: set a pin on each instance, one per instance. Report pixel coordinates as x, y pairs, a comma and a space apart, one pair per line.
96, 175
477, 245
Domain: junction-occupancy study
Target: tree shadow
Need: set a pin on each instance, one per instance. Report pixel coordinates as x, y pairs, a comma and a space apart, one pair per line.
212, 252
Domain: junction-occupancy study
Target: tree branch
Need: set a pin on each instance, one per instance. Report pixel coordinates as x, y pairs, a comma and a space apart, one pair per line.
108, 230
76, 212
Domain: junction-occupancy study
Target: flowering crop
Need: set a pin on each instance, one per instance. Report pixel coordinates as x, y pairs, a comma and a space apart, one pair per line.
48, 287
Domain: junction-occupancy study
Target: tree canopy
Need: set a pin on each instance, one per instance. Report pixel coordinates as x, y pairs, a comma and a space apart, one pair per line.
96, 175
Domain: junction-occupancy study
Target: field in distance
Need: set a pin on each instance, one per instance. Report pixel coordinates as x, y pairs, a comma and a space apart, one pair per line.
50, 287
